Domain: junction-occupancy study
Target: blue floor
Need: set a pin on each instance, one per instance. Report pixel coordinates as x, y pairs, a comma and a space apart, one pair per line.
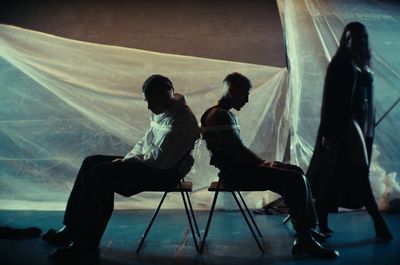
229, 240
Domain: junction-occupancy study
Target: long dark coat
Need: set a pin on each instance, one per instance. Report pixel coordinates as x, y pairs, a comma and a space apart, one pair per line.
339, 175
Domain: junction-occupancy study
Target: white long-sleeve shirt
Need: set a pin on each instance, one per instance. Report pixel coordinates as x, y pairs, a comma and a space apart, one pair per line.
171, 135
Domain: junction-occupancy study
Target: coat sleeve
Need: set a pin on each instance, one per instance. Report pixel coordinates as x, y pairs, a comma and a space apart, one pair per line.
337, 98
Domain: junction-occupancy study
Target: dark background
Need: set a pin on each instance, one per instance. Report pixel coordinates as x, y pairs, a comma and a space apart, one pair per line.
234, 30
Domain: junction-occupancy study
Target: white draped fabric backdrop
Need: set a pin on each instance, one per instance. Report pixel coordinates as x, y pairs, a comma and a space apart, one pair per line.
62, 100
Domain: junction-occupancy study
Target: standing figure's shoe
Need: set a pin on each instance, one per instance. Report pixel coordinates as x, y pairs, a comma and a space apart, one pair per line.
381, 230
307, 245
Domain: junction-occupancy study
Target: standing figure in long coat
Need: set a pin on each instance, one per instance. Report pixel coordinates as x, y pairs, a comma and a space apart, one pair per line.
339, 169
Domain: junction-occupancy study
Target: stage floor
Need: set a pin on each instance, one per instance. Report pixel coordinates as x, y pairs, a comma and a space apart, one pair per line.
229, 240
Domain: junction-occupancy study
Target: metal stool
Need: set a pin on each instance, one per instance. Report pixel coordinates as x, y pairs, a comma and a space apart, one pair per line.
217, 187
184, 187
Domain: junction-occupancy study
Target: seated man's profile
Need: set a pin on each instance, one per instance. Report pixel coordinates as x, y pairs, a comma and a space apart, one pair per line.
161, 158
240, 167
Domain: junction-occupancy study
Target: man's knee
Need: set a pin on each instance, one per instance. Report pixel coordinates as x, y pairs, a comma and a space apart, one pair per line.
102, 172
97, 179
97, 170
90, 160
298, 169
299, 181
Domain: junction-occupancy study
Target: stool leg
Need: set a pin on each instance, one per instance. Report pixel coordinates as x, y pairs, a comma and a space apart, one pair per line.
193, 217
189, 220
151, 222
247, 221
209, 221
249, 213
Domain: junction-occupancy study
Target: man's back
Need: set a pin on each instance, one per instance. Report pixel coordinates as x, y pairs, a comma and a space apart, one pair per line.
221, 132
218, 126
171, 136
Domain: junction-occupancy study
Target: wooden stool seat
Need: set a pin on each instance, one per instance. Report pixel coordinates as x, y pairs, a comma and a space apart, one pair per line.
218, 186
185, 186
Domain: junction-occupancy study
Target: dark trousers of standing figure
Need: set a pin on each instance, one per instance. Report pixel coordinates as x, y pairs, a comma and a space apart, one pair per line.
288, 181
91, 201
364, 197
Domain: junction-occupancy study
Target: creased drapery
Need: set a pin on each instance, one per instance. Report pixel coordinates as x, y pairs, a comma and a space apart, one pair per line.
62, 100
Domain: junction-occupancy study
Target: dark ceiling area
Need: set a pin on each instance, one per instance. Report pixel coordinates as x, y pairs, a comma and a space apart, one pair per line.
243, 31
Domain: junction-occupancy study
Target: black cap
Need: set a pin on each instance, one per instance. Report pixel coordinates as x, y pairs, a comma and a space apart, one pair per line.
156, 83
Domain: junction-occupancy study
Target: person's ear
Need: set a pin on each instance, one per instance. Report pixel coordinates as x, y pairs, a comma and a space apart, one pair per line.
170, 93
231, 91
349, 39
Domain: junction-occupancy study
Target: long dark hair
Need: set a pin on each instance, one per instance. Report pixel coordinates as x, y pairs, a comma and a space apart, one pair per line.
357, 30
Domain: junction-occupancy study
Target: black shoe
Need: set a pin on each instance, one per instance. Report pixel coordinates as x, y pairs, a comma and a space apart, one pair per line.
307, 245
319, 237
384, 235
19, 233
75, 254
57, 237
382, 231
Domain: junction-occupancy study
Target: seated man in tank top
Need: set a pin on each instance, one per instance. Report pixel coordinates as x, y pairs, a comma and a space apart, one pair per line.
240, 167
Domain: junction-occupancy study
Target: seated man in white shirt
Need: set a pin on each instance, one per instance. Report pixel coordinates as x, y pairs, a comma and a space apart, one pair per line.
160, 158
